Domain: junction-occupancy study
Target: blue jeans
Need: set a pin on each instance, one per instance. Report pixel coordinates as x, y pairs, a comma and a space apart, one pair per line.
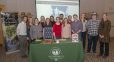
92, 42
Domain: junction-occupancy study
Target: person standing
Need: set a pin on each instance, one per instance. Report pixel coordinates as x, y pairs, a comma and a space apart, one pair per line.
61, 17
47, 30
69, 19
42, 20
76, 26
29, 24
104, 34
92, 27
36, 30
52, 20
66, 29
83, 32
57, 29
22, 35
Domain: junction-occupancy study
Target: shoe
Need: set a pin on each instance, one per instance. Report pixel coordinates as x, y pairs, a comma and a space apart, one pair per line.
105, 56
24, 56
94, 51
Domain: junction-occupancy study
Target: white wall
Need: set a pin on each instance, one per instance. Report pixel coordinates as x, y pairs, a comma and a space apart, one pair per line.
2, 1
88, 6
21, 6
109, 7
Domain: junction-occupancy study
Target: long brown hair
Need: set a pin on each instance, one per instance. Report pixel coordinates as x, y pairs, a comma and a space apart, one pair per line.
38, 21
102, 20
63, 22
46, 21
103, 15
42, 17
84, 17
29, 21
51, 17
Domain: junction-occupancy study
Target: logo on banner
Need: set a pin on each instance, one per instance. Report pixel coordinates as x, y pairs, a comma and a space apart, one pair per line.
56, 54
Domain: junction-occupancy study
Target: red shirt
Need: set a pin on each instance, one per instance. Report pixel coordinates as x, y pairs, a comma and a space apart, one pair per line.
57, 29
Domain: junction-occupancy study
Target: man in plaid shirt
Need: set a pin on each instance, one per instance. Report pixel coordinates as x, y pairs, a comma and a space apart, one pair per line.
92, 27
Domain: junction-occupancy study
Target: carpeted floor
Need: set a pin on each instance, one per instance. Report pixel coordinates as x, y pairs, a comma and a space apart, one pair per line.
89, 57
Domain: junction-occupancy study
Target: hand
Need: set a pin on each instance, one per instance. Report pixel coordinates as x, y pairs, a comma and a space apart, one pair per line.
101, 36
73, 32
54, 35
78, 31
27, 38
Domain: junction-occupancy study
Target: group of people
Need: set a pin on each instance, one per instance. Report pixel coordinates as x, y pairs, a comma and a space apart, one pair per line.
63, 27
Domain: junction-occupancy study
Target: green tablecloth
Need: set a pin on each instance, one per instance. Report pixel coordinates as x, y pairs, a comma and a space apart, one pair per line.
62, 52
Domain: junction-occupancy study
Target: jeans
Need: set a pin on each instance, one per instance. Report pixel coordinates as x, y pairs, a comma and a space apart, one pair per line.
83, 39
92, 43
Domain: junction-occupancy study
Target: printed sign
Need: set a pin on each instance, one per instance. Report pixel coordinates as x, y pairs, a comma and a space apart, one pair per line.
75, 38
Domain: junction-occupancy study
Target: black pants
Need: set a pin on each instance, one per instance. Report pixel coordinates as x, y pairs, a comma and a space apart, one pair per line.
83, 39
104, 48
29, 42
92, 42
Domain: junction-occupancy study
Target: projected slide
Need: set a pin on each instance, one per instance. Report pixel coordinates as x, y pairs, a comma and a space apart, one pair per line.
54, 7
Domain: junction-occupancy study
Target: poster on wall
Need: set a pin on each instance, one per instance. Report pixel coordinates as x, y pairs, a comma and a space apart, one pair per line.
9, 25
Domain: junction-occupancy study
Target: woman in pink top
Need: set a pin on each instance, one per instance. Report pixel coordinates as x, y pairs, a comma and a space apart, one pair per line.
66, 29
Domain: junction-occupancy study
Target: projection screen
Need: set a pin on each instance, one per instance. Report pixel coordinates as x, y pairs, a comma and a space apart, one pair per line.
55, 7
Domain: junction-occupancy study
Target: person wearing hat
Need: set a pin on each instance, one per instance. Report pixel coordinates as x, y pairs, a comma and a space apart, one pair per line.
92, 27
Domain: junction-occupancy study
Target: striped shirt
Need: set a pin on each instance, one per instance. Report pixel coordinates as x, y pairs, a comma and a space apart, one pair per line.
92, 27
